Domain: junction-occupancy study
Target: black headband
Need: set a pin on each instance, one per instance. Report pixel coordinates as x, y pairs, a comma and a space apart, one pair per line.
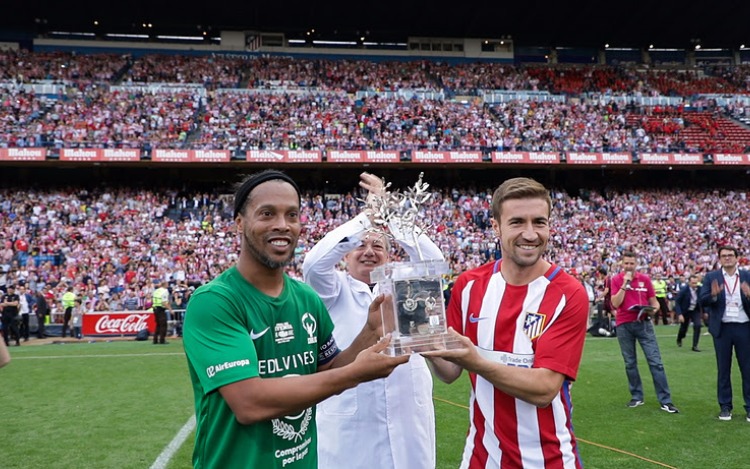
254, 181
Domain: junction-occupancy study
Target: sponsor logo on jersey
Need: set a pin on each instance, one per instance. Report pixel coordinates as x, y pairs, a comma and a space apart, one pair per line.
293, 428
473, 318
521, 360
283, 332
534, 325
310, 325
212, 370
257, 335
280, 365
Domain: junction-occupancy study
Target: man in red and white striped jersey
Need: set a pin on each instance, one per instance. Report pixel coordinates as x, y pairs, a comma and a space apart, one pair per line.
522, 324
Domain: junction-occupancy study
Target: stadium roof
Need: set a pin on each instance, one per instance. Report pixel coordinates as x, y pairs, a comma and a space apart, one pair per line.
586, 23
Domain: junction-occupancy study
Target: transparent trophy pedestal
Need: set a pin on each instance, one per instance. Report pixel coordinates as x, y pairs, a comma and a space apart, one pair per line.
415, 317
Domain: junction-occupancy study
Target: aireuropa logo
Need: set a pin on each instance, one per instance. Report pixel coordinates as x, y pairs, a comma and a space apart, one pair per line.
213, 369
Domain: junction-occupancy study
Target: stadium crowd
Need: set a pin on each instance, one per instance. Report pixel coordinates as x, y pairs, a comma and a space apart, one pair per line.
284, 103
115, 245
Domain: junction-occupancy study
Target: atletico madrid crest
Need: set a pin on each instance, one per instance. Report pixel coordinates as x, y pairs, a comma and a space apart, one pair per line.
534, 325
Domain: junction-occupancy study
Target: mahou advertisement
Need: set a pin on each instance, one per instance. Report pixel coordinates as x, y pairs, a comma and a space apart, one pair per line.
117, 323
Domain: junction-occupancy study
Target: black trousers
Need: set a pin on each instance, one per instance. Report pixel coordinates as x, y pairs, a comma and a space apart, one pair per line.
695, 318
734, 336
160, 315
66, 320
663, 311
25, 326
10, 326
40, 326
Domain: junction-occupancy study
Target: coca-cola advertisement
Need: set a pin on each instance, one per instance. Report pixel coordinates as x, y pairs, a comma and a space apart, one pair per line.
117, 323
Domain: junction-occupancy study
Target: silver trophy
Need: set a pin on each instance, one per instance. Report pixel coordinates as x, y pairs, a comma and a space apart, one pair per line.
415, 317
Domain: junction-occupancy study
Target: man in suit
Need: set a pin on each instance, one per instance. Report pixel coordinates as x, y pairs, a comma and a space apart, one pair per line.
42, 310
688, 310
25, 307
726, 295
9, 306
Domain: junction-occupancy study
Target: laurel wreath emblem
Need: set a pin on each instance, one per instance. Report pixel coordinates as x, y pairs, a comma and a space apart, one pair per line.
287, 432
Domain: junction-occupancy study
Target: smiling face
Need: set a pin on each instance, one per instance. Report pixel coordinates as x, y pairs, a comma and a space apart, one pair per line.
372, 252
523, 229
270, 225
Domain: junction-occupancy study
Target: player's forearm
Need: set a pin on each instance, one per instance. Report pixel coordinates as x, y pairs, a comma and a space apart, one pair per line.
444, 370
260, 399
537, 386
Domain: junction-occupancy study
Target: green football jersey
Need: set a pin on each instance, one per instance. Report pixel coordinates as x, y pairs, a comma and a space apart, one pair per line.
232, 332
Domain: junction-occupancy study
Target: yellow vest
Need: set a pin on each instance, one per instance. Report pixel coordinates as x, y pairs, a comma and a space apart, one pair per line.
660, 288
68, 299
158, 297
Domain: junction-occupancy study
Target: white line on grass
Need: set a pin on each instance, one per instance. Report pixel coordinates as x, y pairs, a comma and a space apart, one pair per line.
16, 357
169, 451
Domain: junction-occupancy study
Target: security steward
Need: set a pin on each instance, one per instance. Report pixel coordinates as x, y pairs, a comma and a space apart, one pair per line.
660, 290
160, 303
9, 306
68, 302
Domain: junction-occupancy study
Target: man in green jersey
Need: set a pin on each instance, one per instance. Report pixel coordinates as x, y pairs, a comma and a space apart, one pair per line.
260, 345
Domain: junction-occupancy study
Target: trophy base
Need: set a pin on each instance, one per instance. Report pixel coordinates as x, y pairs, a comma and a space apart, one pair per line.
406, 345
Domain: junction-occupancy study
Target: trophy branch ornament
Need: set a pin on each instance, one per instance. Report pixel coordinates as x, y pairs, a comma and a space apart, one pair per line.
415, 317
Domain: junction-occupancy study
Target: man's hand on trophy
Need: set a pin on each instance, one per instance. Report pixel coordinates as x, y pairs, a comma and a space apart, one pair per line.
372, 363
426, 344
374, 316
460, 351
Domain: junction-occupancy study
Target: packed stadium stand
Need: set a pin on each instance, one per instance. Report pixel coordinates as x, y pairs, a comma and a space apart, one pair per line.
124, 238
117, 168
67, 100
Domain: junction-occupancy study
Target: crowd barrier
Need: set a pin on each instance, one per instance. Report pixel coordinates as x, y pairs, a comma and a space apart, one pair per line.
115, 323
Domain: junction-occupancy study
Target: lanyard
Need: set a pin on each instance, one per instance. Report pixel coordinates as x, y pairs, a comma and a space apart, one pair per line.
726, 285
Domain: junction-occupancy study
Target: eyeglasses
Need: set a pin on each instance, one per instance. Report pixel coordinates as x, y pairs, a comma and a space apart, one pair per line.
726, 256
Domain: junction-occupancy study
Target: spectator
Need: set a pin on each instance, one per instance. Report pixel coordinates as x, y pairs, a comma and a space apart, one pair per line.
130, 301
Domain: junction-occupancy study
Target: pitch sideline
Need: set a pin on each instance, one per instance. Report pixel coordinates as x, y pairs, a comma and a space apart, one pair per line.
166, 454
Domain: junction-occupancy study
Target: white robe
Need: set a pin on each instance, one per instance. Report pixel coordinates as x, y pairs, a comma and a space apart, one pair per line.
387, 423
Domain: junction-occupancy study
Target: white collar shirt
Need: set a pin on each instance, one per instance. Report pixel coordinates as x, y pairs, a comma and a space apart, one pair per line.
734, 311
